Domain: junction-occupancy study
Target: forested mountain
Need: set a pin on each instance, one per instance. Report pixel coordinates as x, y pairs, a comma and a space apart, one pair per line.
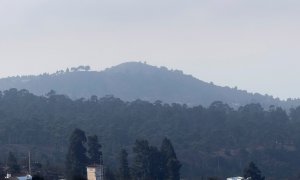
210, 141
131, 81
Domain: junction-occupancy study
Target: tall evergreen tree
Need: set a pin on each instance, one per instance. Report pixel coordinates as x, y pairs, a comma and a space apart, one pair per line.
172, 164
12, 163
76, 160
140, 167
124, 172
94, 152
148, 162
253, 172
156, 164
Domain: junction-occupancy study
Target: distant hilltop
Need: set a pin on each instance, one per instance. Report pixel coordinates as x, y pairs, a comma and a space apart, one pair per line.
136, 80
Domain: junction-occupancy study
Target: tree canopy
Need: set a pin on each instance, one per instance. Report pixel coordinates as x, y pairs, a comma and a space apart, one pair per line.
76, 160
95, 155
210, 141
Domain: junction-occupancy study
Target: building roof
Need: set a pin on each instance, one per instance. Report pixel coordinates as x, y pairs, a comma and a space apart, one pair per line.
28, 177
235, 178
94, 166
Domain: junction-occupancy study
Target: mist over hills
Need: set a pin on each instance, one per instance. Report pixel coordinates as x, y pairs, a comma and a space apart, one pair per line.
135, 80
216, 140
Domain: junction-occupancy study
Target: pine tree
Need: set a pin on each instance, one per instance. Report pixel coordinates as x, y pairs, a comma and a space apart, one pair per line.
253, 172
76, 160
171, 163
124, 172
12, 163
156, 164
140, 167
94, 150
148, 162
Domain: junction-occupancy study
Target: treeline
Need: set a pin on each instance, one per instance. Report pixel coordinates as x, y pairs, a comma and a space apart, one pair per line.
149, 162
213, 141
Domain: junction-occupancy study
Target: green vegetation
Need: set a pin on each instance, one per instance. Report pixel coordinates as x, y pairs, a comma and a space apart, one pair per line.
94, 150
149, 163
171, 165
13, 166
76, 160
216, 141
124, 170
253, 172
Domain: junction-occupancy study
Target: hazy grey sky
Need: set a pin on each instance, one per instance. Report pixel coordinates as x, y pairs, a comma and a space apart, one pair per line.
251, 44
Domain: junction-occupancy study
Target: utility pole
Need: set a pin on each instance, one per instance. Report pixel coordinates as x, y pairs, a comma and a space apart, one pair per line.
29, 163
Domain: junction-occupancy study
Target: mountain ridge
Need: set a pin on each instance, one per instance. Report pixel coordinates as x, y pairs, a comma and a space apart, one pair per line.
136, 80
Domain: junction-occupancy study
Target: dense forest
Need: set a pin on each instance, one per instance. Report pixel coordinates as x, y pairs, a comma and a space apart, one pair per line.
210, 141
136, 80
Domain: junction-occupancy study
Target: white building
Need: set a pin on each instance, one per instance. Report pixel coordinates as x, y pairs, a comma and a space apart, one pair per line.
95, 172
235, 178
28, 177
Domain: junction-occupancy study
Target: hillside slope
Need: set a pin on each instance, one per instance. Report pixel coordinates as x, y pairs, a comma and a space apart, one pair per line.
134, 80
